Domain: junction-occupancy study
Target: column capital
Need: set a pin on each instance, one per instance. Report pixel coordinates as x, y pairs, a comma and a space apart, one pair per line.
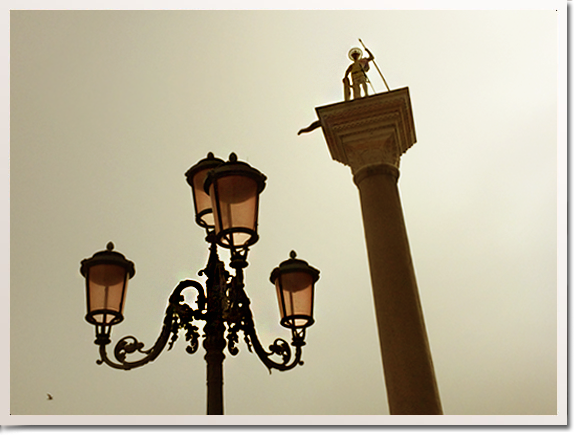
371, 130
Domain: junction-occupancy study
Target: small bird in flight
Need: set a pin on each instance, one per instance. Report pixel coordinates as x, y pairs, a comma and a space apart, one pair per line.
49, 396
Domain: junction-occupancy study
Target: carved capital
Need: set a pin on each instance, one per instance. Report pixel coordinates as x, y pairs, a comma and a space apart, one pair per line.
371, 130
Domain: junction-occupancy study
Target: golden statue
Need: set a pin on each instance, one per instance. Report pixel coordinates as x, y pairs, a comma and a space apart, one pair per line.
358, 71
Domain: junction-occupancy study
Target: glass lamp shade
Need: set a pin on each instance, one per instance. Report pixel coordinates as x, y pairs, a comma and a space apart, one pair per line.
234, 189
295, 280
107, 274
195, 177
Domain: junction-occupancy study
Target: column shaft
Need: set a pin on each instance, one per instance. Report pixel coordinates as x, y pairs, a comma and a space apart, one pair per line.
407, 362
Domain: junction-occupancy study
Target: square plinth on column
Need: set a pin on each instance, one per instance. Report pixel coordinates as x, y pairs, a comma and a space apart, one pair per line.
369, 130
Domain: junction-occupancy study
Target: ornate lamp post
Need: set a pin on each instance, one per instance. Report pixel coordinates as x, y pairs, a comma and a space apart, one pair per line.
226, 197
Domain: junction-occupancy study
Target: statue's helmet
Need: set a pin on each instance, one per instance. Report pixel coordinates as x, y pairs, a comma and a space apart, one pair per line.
355, 50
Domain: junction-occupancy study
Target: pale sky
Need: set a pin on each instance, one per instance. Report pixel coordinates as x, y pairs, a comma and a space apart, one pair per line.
108, 110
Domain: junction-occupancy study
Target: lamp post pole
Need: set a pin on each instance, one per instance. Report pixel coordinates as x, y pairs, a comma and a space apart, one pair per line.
214, 342
230, 188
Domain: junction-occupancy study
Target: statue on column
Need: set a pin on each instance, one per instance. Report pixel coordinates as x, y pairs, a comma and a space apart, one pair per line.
358, 71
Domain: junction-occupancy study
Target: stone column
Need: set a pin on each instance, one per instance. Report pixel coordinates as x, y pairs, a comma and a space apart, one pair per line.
369, 135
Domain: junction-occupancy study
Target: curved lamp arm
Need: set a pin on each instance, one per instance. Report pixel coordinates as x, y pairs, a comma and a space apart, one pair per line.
242, 319
279, 347
178, 315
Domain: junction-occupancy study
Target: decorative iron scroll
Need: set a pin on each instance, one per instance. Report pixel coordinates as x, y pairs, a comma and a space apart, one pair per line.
178, 315
245, 322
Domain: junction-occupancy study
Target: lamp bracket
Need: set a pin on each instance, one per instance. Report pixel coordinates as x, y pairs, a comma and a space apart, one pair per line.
240, 317
178, 315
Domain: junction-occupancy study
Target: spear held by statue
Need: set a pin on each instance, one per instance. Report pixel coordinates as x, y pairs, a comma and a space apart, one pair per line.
376, 66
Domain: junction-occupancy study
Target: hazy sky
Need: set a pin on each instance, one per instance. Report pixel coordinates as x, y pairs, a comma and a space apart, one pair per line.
108, 109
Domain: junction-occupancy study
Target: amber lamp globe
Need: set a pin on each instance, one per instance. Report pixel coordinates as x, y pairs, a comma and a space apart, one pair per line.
195, 177
294, 281
234, 188
107, 274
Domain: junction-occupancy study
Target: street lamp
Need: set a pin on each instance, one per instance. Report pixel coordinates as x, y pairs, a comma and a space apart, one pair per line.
195, 176
294, 280
226, 199
107, 274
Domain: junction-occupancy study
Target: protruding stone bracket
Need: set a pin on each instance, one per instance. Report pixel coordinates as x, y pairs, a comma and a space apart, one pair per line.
366, 131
